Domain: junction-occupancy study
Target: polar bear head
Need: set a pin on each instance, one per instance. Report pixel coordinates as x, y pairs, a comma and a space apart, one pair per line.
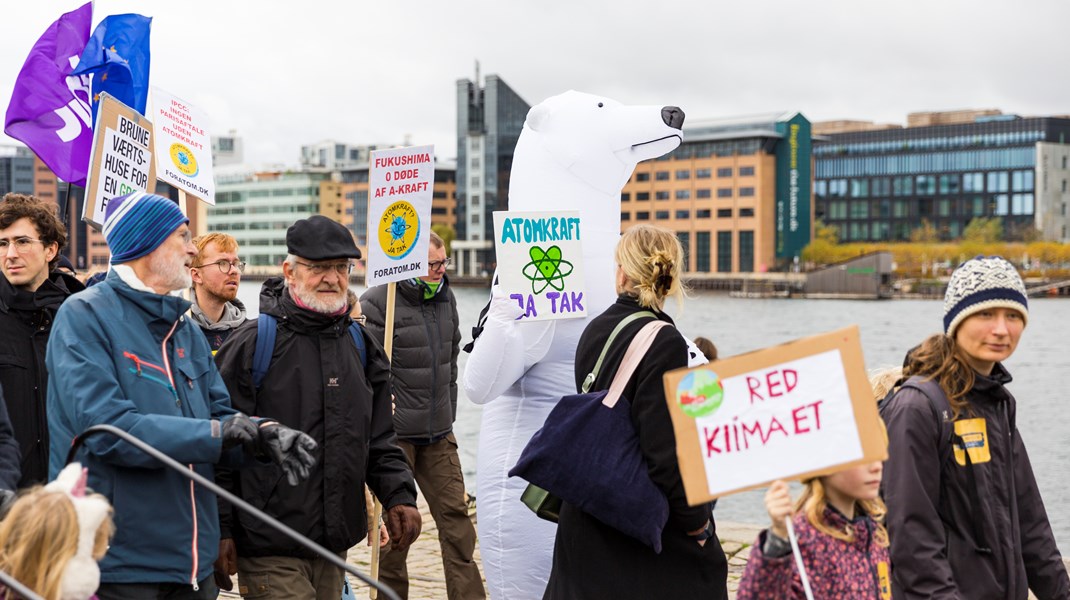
600, 140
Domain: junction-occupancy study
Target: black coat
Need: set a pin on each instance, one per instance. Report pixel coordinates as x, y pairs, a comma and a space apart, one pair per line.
931, 519
25, 323
315, 384
593, 560
427, 339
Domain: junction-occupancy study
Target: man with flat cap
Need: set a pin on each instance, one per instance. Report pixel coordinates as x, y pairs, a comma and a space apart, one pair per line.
320, 380
123, 353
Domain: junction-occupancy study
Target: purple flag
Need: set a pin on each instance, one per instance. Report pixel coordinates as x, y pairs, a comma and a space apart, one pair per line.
49, 111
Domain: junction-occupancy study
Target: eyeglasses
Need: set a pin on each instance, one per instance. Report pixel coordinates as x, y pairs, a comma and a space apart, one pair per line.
225, 265
439, 264
340, 268
22, 244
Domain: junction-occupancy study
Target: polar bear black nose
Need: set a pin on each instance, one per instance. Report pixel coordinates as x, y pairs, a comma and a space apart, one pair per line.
673, 116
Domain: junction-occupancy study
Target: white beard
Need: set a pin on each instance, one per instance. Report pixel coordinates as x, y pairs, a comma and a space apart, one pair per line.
174, 275
311, 300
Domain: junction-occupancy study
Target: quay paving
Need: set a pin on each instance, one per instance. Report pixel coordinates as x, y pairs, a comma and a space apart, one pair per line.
426, 581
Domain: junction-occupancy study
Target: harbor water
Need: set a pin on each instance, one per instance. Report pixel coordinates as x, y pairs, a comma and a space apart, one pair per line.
888, 329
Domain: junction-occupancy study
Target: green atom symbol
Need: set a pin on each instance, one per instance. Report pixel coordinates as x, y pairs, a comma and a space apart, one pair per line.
547, 267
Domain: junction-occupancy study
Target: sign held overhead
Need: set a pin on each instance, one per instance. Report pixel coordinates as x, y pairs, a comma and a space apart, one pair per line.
121, 159
399, 213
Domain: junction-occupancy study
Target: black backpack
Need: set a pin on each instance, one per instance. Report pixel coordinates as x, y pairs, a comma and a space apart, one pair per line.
942, 412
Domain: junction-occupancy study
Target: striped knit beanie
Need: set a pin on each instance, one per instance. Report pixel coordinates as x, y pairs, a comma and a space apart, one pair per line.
981, 283
137, 223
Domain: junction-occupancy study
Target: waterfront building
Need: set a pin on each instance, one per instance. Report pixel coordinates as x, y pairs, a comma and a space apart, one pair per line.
879, 183
736, 192
227, 149
257, 208
334, 156
489, 121
16, 170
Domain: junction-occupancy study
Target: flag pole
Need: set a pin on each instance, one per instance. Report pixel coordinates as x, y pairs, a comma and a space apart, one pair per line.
388, 345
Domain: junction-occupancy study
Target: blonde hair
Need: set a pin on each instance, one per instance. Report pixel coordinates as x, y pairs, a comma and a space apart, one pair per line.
225, 242
39, 536
651, 258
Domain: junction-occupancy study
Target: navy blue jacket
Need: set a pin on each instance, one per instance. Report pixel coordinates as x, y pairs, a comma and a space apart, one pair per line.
131, 359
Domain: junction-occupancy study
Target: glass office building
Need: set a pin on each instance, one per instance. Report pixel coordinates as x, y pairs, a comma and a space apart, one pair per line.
882, 184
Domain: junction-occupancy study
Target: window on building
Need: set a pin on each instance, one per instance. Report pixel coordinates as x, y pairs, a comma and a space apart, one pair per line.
475, 218
642, 176
705, 192
1064, 186
838, 187
724, 172
475, 201
704, 213
683, 214
746, 192
685, 243
475, 181
902, 186
724, 192
1002, 207
821, 188
642, 215
943, 207
1022, 181
724, 251
703, 173
625, 216
973, 182
746, 251
859, 188
683, 194
859, 210
683, 174
661, 176
661, 195
949, 184
702, 251
926, 184
642, 195
625, 197
883, 208
661, 215
724, 213
998, 181
746, 212
746, 171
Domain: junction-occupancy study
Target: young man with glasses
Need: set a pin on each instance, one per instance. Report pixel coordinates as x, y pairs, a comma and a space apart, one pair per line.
318, 382
216, 274
427, 341
31, 236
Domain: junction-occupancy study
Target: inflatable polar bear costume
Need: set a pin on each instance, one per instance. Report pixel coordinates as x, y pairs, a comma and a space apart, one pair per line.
576, 152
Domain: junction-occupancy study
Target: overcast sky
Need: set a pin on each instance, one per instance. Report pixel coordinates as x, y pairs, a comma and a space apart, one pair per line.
289, 73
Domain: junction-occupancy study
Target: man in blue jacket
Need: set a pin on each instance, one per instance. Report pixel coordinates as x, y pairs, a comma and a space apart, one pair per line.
123, 353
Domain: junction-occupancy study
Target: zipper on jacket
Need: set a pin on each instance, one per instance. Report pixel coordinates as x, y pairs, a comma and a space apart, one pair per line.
196, 554
433, 343
138, 362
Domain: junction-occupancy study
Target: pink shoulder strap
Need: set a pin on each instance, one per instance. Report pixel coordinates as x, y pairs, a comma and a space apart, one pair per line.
635, 353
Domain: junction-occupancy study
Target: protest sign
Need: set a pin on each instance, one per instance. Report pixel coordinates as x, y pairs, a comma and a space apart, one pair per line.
185, 157
540, 262
797, 410
399, 213
121, 158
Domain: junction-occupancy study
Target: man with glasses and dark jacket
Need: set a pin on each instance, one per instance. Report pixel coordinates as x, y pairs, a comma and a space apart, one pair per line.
426, 344
216, 274
31, 236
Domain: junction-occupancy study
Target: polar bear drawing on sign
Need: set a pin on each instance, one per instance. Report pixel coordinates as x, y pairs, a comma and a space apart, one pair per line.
576, 152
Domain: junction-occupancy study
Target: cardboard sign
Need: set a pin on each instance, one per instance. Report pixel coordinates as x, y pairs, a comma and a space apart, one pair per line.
399, 213
797, 410
185, 157
540, 262
121, 160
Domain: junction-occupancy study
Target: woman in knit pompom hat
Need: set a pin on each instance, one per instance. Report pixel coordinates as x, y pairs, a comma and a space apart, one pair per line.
965, 517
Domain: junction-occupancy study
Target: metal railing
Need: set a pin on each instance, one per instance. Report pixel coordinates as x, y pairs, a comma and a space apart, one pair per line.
229, 497
16, 586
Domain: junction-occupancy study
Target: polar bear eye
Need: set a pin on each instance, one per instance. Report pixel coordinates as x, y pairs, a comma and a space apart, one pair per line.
600, 105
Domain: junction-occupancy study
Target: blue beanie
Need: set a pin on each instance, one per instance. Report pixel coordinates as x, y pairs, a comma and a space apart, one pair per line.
982, 283
137, 223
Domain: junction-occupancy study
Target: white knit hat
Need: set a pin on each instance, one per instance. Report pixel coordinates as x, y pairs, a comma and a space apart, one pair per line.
980, 283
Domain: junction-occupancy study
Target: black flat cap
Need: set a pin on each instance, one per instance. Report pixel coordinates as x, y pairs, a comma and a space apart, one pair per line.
320, 238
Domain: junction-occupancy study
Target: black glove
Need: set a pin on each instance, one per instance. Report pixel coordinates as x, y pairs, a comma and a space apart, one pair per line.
238, 430
289, 448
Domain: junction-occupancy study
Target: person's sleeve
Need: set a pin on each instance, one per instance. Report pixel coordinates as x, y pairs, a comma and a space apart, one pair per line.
90, 394
234, 363
912, 492
372, 307
389, 476
767, 578
455, 354
1043, 565
10, 457
657, 440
